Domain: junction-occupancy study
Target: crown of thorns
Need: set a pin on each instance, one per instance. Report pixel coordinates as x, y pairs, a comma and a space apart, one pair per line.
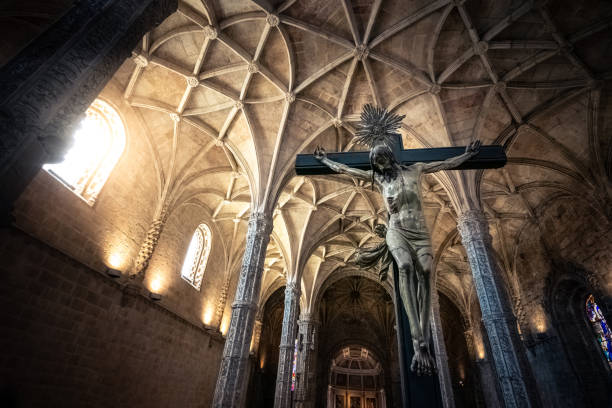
377, 126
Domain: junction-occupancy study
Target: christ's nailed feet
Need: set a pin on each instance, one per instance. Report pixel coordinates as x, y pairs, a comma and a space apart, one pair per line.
422, 362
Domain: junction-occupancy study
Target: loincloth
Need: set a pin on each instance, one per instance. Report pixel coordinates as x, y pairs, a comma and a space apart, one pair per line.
379, 257
415, 241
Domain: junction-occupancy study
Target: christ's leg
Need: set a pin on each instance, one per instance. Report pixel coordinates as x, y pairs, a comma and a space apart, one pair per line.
407, 289
424, 281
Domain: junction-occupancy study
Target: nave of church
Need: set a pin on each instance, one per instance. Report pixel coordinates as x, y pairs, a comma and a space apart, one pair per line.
159, 249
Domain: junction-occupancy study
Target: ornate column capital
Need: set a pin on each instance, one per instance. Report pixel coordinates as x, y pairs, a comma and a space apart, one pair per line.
472, 226
261, 222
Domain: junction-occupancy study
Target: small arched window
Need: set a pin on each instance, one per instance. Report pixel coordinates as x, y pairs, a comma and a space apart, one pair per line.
197, 256
600, 328
98, 143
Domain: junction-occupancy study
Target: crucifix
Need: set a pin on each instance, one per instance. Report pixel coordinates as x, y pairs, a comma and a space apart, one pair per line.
407, 249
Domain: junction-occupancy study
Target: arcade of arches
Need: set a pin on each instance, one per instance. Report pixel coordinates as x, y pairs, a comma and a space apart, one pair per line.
162, 252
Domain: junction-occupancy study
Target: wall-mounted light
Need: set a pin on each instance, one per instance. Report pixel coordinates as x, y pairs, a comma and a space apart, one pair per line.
155, 296
113, 273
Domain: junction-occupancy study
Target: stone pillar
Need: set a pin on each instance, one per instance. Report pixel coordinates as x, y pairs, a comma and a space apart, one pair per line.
231, 384
220, 308
282, 396
150, 243
305, 387
513, 372
446, 386
46, 89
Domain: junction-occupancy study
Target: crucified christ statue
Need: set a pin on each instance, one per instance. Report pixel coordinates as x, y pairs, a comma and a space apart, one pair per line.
407, 238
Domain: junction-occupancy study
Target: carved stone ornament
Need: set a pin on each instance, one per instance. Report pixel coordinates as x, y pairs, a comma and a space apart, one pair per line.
253, 68
290, 97
481, 47
435, 89
361, 52
272, 20
210, 32
192, 81
141, 59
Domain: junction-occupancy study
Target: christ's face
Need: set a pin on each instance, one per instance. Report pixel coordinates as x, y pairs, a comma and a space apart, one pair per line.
381, 162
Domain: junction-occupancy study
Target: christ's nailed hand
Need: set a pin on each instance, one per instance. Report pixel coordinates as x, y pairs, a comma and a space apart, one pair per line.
473, 147
319, 153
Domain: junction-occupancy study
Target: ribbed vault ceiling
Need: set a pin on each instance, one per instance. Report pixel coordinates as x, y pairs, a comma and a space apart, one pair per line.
231, 91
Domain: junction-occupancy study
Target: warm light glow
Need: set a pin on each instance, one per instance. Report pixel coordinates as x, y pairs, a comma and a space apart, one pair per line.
155, 285
539, 320
208, 315
115, 260
479, 349
224, 326
262, 361
98, 143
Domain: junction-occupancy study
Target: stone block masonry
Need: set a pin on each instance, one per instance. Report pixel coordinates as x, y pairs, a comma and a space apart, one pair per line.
72, 338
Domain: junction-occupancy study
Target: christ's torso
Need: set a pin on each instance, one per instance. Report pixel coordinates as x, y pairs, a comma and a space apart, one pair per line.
402, 199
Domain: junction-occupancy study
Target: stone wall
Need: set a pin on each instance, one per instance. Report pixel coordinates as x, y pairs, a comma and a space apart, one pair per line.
72, 337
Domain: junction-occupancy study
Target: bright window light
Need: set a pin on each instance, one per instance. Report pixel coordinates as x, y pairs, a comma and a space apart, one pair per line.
197, 256
98, 143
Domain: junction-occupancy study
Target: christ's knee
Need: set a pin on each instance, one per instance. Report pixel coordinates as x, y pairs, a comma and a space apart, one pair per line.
405, 267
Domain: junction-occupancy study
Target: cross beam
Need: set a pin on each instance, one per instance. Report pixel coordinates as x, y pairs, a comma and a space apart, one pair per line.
489, 157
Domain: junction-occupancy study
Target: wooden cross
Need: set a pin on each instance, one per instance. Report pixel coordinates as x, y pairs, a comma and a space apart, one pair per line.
488, 157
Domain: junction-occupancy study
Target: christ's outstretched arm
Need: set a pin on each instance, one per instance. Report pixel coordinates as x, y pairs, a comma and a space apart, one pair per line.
471, 150
320, 155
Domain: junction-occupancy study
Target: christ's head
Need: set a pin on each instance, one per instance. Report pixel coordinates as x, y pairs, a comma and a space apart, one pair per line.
382, 159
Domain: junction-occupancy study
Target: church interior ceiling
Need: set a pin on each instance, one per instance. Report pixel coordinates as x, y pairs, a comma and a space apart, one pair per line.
231, 91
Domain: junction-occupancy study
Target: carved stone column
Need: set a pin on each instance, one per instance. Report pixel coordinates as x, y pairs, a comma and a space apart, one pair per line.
446, 386
306, 358
150, 243
282, 396
231, 383
220, 308
513, 372
45, 90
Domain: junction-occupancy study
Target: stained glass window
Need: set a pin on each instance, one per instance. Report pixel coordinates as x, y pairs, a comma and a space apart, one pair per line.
295, 353
197, 256
98, 143
600, 327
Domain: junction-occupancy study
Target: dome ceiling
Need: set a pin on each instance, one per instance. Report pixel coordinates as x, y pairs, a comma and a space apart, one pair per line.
231, 91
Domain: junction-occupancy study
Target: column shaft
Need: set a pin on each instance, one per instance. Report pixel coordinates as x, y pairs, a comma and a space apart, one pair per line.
446, 386
513, 372
45, 90
305, 387
231, 383
282, 396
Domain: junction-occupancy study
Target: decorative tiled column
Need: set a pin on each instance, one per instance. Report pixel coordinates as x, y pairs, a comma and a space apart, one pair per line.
513, 372
305, 387
45, 90
231, 383
446, 386
282, 396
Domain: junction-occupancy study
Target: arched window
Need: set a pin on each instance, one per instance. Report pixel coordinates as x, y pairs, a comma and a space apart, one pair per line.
98, 143
600, 327
197, 256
